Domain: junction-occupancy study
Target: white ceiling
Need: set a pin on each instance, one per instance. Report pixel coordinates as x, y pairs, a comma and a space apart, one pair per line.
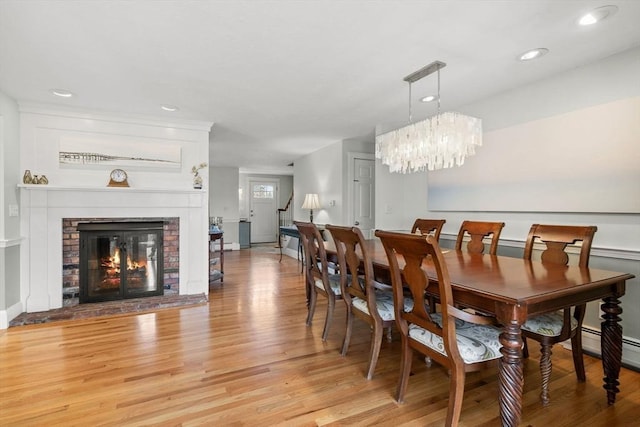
283, 78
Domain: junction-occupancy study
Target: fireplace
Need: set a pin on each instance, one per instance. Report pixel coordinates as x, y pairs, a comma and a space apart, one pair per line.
120, 260
45, 208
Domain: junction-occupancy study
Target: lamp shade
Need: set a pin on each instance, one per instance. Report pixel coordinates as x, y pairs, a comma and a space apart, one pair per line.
311, 201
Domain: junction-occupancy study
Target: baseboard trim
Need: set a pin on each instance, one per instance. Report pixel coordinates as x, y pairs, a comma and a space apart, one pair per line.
9, 314
591, 344
233, 246
293, 253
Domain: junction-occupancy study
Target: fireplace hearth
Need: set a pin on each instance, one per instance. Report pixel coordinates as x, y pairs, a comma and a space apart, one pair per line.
120, 260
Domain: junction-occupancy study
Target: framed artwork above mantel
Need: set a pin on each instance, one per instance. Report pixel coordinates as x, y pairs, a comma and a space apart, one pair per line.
110, 152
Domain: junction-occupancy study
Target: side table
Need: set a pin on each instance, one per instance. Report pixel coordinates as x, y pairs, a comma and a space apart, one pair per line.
213, 237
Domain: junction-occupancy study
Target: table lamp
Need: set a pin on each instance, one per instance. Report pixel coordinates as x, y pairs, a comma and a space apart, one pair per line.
311, 202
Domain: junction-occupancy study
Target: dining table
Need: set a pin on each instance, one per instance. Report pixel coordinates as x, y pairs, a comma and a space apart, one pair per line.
513, 289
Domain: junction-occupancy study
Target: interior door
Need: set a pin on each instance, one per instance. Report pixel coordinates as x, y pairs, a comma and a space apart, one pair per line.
363, 191
263, 207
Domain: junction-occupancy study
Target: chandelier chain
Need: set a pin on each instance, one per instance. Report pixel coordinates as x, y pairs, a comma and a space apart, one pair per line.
410, 109
438, 91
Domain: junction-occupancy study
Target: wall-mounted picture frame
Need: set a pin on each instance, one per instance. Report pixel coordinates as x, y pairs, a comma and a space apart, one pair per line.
109, 152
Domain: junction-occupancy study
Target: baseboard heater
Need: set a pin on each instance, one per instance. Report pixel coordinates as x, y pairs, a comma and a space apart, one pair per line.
591, 346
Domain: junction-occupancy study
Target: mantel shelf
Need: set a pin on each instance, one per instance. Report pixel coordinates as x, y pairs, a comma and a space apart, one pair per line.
49, 187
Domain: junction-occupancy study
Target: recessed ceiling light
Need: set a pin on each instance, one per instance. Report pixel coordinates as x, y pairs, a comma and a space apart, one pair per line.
428, 98
597, 15
533, 54
169, 107
62, 93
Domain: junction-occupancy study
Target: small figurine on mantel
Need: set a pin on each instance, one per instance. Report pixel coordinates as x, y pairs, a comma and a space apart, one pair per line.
197, 179
27, 178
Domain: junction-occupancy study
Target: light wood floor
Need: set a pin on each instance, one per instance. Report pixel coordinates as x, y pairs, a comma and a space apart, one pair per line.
247, 359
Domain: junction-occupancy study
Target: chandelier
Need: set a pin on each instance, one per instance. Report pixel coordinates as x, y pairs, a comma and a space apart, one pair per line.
433, 143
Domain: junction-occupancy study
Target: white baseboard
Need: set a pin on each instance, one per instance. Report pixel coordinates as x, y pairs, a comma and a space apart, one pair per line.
591, 343
9, 314
233, 246
293, 253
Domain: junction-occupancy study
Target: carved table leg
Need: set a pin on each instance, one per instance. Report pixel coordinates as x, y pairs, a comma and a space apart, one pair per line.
511, 375
545, 373
611, 345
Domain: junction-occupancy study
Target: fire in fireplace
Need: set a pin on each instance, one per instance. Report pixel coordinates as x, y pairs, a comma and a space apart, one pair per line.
120, 260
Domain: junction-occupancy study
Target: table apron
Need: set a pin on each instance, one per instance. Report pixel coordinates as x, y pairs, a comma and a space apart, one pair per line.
490, 305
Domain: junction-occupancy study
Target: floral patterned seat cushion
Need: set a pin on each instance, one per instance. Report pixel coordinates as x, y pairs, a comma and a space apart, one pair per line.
334, 282
332, 268
476, 343
548, 324
384, 303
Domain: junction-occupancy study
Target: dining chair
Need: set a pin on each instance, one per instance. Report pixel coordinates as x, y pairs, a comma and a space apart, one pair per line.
365, 298
425, 227
428, 226
478, 230
460, 341
317, 277
551, 328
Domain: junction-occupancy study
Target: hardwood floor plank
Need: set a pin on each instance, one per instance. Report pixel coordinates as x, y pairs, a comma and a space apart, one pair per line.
247, 359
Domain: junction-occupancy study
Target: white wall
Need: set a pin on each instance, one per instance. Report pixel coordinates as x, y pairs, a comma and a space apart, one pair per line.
223, 201
42, 128
615, 245
325, 172
320, 172
9, 225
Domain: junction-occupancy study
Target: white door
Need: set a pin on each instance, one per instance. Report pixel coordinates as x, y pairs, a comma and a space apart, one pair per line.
263, 208
363, 192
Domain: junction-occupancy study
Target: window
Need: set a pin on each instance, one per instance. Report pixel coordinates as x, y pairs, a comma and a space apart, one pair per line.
262, 191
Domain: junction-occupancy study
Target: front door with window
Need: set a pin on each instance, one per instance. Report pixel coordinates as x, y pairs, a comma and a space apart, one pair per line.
263, 200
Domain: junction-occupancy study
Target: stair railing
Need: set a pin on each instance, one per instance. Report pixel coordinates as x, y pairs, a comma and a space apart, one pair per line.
285, 218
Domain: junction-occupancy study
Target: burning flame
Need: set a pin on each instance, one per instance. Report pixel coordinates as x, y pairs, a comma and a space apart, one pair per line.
112, 264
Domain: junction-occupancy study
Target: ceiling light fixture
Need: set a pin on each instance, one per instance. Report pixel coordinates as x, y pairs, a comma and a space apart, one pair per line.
428, 98
533, 54
597, 15
434, 143
169, 107
63, 93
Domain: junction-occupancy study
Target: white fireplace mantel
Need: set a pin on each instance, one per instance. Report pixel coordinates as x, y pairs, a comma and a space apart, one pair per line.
44, 206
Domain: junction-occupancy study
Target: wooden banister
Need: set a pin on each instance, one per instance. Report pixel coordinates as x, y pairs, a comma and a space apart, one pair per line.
285, 218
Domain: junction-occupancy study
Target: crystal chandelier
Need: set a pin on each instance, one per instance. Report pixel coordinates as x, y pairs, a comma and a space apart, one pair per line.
434, 143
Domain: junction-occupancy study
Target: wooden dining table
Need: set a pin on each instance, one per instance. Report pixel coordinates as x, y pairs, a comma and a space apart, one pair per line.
514, 289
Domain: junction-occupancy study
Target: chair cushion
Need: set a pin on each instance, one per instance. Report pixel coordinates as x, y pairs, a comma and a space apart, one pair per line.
332, 268
476, 343
384, 304
334, 282
548, 324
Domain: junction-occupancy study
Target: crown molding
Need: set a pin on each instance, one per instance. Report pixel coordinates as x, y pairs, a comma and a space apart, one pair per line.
140, 119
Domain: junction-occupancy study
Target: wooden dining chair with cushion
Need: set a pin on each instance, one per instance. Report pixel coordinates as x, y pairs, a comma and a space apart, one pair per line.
551, 328
460, 341
425, 227
365, 298
428, 226
317, 276
478, 230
